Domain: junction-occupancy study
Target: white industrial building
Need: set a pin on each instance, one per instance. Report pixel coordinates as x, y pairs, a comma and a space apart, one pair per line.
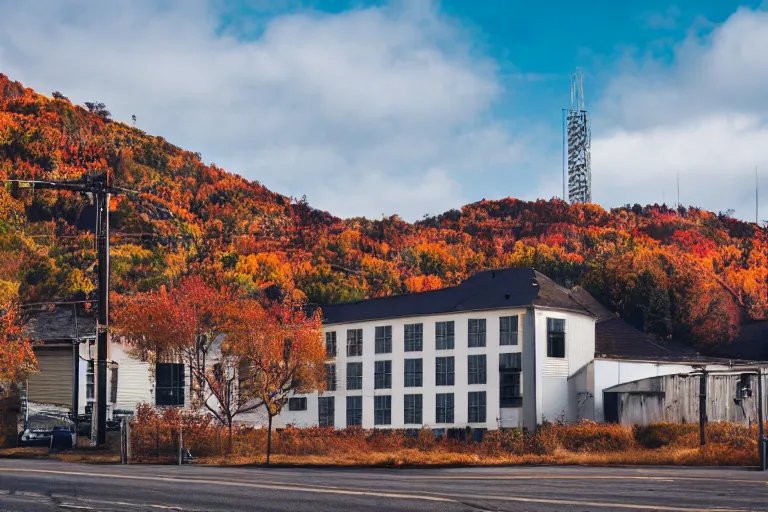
495, 351
505, 348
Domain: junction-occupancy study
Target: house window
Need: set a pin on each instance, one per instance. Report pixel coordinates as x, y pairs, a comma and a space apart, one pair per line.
113, 386
444, 408
330, 377
384, 339
326, 411
297, 404
744, 386
354, 411
508, 330
382, 377
354, 342
476, 406
413, 373
169, 384
444, 335
218, 373
444, 371
414, 337
382, 410
330, 344
354, 375
555, 337
476, 328
509, 392
510, 366
512, 361
477, 369
245, 375
412, 409
89, 381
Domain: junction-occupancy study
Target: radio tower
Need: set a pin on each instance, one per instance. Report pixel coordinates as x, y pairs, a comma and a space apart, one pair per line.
579, 142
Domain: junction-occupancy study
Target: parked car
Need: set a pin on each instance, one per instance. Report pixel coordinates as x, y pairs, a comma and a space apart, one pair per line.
40, 436
42, 432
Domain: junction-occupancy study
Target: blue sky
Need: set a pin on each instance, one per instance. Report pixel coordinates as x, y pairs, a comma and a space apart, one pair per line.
419, 106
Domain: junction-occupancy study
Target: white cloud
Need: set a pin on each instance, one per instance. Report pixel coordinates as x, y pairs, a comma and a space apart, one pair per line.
705, 116
366, 112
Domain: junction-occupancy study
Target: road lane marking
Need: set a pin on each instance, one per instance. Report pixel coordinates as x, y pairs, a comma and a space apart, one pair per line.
598, 504
94, 502
64, 503
584, 477
28, 494
426, 496
278, 487
548, 477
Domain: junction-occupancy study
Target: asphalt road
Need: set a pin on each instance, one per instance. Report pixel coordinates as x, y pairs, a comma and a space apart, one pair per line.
28, 485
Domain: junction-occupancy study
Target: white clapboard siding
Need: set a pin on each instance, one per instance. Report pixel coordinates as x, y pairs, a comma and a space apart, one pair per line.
53, 383
133, 380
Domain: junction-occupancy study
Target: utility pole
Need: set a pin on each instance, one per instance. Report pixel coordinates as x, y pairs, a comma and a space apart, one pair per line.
703, 407
102, 323
99, 189
761, 418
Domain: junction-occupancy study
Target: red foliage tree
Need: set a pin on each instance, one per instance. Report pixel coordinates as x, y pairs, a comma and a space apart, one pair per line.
189, 323
17, 360
283, 351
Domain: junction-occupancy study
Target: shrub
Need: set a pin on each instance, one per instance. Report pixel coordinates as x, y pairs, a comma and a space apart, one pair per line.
588, 436
504, 441
154, 436
663, 434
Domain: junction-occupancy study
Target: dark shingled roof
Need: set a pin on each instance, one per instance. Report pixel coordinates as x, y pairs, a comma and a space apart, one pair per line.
586, 299
491, 289
617, 339
59, 324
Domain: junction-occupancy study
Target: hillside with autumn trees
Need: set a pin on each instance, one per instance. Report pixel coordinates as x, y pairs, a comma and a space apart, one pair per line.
683, 273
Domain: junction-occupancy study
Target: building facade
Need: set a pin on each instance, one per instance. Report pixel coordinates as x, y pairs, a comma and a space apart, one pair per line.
473, 356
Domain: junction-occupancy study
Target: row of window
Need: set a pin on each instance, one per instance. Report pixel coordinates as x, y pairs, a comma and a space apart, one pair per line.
382, 409
413, 336
413, 371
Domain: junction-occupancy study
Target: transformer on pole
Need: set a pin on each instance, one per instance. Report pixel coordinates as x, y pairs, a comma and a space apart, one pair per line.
579, 144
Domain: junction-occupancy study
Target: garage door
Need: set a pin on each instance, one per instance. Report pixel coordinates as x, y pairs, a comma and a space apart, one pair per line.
53, 383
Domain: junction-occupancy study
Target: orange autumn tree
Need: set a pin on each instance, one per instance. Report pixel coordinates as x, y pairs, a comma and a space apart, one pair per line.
189, 323
17, 360
283, 351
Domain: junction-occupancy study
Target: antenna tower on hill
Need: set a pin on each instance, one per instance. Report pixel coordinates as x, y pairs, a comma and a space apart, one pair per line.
579, 143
